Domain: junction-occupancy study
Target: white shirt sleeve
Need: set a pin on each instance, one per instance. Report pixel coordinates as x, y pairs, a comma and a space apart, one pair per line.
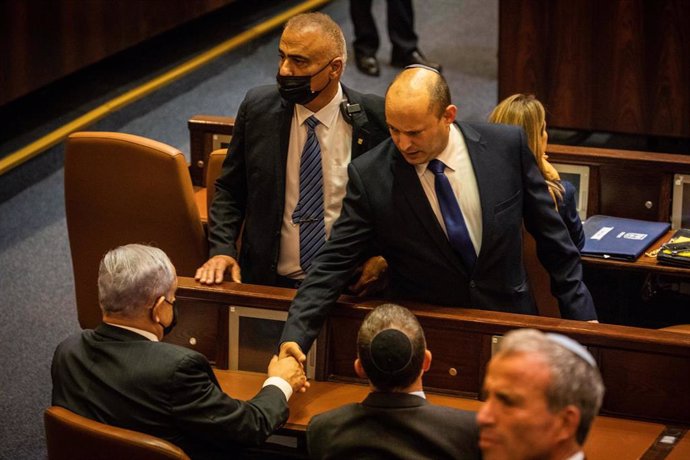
280, 383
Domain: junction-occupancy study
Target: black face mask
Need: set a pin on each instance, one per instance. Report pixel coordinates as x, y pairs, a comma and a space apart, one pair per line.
297, 90
168, 329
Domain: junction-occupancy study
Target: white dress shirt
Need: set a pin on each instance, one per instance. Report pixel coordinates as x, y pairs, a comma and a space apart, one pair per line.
335, 139
463, 182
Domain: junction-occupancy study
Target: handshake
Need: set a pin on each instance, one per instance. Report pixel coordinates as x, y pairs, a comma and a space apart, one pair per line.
290, 366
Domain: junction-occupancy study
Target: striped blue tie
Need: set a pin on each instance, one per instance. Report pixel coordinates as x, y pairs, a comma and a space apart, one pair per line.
309, 211
458, 235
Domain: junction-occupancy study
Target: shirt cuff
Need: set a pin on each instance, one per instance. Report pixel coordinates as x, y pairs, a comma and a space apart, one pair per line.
282, 384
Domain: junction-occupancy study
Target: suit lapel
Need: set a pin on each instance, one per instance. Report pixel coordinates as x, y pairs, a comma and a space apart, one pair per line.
282, 119
415, 196
484, 173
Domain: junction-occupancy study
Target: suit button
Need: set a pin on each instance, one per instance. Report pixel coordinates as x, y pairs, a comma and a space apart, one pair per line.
473, 284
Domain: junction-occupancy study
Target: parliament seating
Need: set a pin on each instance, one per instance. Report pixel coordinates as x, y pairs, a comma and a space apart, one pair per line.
122, 189
642, 368
72, 437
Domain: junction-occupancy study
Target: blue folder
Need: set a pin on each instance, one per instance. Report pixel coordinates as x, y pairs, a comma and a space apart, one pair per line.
619, 238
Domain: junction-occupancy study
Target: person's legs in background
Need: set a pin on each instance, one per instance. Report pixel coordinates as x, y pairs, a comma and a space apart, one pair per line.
403, 37
366, 41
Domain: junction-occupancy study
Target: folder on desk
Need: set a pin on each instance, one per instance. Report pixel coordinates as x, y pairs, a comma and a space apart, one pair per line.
619, 238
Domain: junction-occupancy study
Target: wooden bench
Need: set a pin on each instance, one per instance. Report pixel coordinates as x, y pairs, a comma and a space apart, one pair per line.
646, 372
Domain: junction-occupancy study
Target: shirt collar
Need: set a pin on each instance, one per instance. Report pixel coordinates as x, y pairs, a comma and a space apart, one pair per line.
448, 155
419, 393
327, 115
149, 335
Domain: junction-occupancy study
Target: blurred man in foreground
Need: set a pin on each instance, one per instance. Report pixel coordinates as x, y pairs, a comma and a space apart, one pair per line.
542, 394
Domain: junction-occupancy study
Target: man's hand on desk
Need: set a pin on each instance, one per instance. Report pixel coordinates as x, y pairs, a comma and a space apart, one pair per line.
373, 277
214, 269
293, 350
289, 370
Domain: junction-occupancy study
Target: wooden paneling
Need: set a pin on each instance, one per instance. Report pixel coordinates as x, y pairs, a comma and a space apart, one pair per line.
617, 66
41, 41
203, 326
621, 182
202, 129
645, 371
647, 380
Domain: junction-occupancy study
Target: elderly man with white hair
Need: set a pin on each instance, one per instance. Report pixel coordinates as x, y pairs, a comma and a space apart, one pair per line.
121, 374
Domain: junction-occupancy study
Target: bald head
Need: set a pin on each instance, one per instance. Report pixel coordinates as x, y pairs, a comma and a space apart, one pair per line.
419, 114
330, 41
419, 89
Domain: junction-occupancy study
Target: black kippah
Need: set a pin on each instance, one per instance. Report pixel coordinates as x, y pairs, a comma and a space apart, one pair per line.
390, 351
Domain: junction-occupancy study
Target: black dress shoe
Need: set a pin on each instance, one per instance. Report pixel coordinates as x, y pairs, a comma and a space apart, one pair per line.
415, 57
368, 65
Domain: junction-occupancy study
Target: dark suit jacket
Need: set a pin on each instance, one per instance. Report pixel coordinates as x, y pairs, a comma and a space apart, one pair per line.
120, 378
251, 186
393, 425
567, 208
385, 203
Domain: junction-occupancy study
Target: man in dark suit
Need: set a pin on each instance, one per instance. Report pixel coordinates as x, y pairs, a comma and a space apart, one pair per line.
451, 236
542, 394
395, 420
260, 186
120, 374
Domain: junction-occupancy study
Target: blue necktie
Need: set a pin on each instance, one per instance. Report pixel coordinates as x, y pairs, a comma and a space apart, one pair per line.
458, 235
309, 211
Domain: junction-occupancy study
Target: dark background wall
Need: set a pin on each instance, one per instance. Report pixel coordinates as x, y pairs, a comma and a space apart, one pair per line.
620, 66
41, 41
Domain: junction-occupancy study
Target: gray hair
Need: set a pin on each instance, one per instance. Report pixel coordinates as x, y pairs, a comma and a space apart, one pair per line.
391, 316
132, 277
573, 379
330, 29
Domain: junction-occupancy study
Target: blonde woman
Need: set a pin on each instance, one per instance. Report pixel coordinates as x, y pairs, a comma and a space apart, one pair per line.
526, 111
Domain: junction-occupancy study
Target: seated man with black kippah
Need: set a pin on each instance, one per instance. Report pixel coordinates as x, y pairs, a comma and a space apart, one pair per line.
395, 420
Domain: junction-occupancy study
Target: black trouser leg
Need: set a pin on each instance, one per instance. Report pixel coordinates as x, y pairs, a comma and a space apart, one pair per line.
401, 27
366, 36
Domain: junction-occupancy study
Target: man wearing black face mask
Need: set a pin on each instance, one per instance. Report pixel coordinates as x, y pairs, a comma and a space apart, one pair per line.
120, 374
262, 184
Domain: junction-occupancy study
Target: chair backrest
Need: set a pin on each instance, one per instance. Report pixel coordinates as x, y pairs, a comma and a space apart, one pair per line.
73, 437
213, 168
539, 279
122, 189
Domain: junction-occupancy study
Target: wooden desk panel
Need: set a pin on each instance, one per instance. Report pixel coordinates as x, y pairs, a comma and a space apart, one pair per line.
655, 363
610, 438
205, 134
615, 438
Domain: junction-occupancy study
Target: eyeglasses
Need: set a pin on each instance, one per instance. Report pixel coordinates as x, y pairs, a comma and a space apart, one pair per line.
172, 304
